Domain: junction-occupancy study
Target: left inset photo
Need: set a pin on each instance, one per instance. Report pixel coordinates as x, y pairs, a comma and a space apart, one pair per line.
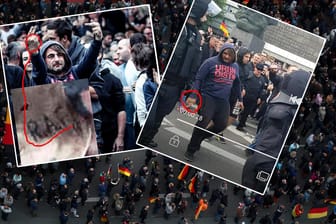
75, 85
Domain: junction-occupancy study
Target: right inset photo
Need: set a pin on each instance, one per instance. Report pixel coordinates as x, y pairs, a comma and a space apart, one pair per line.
231, 91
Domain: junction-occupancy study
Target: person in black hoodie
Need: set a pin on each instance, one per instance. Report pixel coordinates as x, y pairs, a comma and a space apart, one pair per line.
53, 64
274, 129
243, 59
253, 87
214, 80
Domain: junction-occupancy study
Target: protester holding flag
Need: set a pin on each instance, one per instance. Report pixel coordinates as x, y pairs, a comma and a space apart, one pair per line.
193, 185
123, 170
318, 211
297, 211
202, 206
184, 172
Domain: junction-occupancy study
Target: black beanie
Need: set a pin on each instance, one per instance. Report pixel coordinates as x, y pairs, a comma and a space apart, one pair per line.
293, 87
199, 9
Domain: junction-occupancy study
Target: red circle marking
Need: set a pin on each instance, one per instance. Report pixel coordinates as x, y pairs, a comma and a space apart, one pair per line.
26, 43
198, 94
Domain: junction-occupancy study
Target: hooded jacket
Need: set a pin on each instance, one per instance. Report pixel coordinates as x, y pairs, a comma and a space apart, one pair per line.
86, 66
273, 132
243, 68
76, 50
215, 77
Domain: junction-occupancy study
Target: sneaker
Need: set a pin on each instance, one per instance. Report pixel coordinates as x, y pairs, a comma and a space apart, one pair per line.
221, 139
241, 129
188, 156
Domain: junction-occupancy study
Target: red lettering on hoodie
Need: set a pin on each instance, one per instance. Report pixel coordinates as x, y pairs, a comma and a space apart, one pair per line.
224, 74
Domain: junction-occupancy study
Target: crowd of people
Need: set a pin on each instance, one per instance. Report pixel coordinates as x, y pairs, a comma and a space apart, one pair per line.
117, 57
304, 173
306, 170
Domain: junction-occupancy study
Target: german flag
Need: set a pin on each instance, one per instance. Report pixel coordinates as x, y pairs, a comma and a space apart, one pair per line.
330, 201
183, 173
198, 212
297, 210
124, 171
224, 28
192, 184
317, 212
8, 136
202, 206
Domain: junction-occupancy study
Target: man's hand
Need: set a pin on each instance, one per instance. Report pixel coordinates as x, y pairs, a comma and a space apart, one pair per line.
33, 44
156, 76
96, 30
93, 93
240, 105
243, 92
118, 144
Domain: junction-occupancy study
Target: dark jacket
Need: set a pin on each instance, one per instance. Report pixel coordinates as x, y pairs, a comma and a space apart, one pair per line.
215, 77
76, 50
244, 69
273, 132
253, 86
111, 98
13, 76
186, 58
149, 89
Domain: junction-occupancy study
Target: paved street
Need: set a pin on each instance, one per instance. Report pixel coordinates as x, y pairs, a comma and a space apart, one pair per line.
227, 160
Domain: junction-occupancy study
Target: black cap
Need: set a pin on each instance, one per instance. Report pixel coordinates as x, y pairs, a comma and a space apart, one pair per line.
199, 9
293, 87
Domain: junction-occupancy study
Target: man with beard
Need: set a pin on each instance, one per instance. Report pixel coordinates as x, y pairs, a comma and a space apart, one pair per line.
53, 64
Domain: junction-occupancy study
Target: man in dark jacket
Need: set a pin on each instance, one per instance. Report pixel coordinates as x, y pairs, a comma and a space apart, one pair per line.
113, 112
253, 87
273, 132
61, 31
214, 80
182, 68
53, 63
243, 59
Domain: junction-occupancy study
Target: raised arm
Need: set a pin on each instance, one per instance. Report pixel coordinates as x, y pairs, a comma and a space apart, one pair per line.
89, 62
